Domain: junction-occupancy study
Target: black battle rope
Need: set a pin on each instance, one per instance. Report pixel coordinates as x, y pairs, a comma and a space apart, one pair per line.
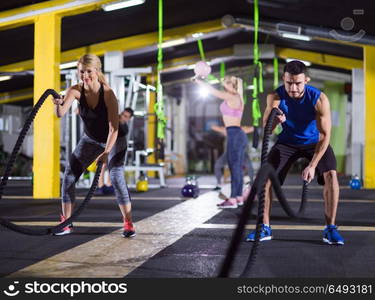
283, 201
265, 172
43, 231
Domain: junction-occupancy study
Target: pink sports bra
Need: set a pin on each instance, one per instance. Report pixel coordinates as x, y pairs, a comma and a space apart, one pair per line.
230, 112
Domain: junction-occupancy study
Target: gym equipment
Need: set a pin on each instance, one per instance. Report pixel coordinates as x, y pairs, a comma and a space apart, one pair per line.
142, 184
190, 189
92, 167
202, 69
138, 168
40, 231
355, 183
258, 189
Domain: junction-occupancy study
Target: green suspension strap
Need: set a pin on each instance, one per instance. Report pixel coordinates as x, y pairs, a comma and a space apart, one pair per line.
257, 78
159, 105
278, 128
203, 58
201, 50
275, 73
222, 70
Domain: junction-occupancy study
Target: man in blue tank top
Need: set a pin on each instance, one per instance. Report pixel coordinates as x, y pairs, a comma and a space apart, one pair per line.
306, 123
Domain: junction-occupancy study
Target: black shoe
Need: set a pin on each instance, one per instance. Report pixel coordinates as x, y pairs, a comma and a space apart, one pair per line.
129, 233
217, 188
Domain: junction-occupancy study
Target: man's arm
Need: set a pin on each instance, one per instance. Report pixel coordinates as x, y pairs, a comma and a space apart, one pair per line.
323, 122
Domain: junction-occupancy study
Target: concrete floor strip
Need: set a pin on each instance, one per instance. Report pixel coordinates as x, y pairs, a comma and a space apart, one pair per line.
113, 256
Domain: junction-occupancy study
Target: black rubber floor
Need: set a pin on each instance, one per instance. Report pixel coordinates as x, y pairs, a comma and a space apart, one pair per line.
292, 253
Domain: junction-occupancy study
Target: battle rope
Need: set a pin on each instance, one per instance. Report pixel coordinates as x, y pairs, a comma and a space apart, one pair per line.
41, 231
258, 188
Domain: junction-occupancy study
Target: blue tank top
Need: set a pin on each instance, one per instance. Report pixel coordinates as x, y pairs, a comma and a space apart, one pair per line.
300, 125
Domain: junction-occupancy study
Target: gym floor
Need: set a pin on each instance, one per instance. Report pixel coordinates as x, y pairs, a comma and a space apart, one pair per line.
178, 237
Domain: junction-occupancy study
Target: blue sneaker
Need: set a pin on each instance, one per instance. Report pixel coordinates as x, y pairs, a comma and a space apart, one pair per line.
331, 235
265, 234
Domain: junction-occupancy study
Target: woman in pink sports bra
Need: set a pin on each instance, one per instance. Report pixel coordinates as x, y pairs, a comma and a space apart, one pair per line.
232, 109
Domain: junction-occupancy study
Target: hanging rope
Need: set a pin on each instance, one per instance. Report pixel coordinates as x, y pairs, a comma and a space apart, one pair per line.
159, 105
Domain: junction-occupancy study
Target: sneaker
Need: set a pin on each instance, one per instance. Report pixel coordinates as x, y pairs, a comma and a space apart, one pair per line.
129, 230
265, 234
66, 230
217, 188
108, 190
331, 236
228, 203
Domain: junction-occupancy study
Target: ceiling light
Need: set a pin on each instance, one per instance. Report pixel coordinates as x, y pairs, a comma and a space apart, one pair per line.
121, 4
307, 63
3, 78
203, 92
296, 36
172, 43
71, 64
197, 35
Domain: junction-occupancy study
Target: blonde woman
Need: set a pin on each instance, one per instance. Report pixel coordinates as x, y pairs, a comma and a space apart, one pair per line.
232, 109
102, 139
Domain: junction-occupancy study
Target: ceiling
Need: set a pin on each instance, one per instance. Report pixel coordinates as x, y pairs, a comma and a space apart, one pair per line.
99, 26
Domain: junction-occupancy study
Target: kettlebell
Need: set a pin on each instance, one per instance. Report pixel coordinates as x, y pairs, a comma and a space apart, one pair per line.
355, 183
142, 184
190, 189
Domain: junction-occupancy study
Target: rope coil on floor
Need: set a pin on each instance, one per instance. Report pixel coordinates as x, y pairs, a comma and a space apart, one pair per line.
258, 188
40, 231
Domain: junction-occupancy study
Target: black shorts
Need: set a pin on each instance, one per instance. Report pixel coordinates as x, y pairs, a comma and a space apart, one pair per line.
282, 156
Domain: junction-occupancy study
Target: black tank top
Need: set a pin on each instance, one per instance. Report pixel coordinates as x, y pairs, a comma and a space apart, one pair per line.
95, 120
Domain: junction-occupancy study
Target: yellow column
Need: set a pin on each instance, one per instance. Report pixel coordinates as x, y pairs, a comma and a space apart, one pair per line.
151, 131
46, 164
369, 149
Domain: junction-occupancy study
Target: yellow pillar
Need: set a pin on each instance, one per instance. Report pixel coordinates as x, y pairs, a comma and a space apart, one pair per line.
46, 164
369, 149
151, 131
